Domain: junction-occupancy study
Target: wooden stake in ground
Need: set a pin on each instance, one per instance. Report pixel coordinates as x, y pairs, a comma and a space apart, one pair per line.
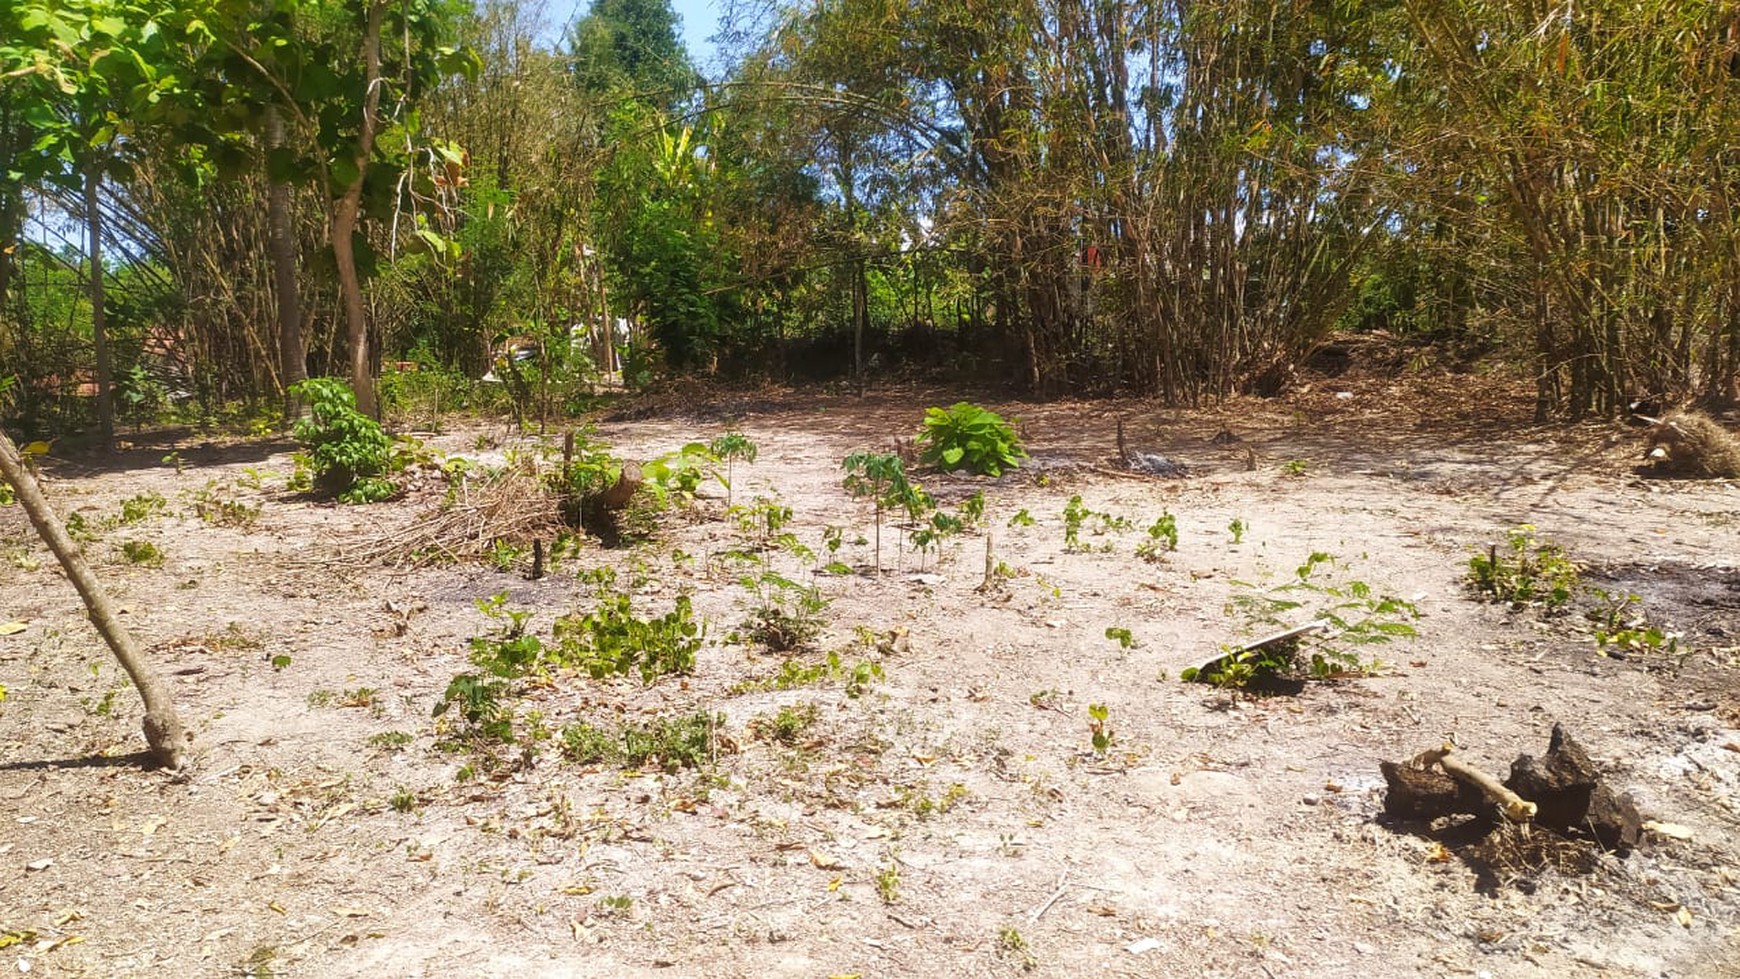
164, 734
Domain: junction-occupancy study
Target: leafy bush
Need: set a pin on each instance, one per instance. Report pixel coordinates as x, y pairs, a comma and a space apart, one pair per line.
966, 436
1534, 571
348, 451
786, 615
673, 743
1162, 537
1352, 613
142, 552
678, 475
611, 640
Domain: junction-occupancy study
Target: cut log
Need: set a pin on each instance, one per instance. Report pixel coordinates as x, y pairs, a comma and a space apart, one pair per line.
1423, 794
164, 733
597, 512
1567, 787
620, 492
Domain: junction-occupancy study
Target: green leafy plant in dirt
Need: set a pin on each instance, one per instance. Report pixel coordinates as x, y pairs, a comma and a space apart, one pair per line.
786, 725
793, 674
1123, 637
966, 436
731, 447
1527, 571
931, 530
141, 507
1021, 519
590, 468
612, 640
1012, 944
347, 451
881, 478
675, 477
1162, 538
763, 519
1352, 614
503, 555
1076, 515
786, 615
389, 740
972, 509
505, 653
142, 552
1237, 529
685, 741
80, 529
1621, 628
888, 881
213, 505
1099, 728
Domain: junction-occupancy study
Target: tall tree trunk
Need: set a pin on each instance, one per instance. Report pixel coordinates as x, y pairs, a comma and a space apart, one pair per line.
860, 318
11, 208
345, 213
282, 244
164, 733
99, 318
8, 245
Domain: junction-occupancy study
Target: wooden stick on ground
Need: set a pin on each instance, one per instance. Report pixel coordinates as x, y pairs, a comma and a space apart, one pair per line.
164, 733
1515, 807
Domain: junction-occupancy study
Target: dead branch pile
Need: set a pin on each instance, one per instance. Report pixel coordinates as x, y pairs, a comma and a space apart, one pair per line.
1692, 444
513, 504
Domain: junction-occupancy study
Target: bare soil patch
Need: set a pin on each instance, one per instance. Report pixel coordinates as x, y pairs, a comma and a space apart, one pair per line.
949, 819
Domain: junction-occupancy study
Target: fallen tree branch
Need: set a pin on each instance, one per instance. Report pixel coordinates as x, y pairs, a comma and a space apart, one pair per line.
164, 733
1515, 807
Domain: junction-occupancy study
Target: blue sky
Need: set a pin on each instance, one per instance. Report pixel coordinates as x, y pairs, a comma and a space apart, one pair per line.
700, 21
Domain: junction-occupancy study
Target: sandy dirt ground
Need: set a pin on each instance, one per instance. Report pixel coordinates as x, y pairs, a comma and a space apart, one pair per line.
950, 819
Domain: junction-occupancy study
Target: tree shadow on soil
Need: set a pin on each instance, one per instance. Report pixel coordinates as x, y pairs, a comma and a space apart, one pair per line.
149, 449
142, 760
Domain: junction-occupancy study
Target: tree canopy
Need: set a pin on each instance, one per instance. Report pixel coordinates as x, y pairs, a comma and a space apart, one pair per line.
1065, 197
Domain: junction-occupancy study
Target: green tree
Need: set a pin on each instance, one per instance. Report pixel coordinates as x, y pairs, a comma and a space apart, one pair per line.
630, 49
92, 76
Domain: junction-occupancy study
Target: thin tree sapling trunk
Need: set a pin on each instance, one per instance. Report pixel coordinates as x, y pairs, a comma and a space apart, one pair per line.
99, 318
346, 212
282, 245
168, 740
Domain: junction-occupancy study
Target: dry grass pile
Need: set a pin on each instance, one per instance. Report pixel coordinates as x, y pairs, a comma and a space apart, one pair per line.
1693, 444
513, 504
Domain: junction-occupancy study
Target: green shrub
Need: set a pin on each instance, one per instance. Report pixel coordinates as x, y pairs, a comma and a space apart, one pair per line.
1533, 571
673, 743
786, 615
611, 640
1353, 614
966, 436
142, 552
347, 450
